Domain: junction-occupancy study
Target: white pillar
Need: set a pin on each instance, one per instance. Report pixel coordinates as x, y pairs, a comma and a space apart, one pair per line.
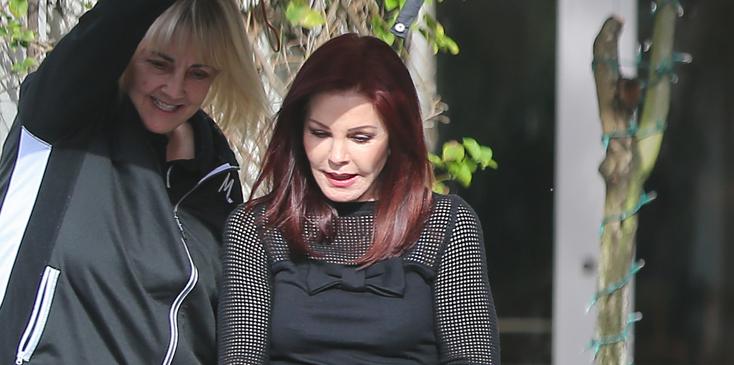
422, 65
579, 187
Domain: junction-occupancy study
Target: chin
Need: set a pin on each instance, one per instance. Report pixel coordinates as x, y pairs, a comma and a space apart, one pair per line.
156, 128
345, 197
160, 128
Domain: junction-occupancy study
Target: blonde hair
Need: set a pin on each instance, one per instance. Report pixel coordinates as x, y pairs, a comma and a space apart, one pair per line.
236, 100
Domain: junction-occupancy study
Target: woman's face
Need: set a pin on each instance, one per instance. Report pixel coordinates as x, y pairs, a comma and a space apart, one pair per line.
168, 85
346, 144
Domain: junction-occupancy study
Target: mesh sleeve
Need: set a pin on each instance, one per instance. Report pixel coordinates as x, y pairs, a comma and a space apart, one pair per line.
245, 295
466, 320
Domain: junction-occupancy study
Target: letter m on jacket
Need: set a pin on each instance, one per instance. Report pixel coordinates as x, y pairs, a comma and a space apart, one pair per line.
226, 186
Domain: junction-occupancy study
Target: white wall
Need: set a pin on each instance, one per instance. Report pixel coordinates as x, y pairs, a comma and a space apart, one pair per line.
579, 187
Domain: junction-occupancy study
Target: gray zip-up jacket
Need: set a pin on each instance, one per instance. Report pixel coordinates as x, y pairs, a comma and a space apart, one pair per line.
104, 258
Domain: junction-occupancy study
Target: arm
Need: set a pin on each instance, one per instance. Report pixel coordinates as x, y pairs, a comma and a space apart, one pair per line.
79, 77
466, 322
245, 297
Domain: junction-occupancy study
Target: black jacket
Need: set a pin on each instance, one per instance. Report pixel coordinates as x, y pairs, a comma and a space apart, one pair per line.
108, 254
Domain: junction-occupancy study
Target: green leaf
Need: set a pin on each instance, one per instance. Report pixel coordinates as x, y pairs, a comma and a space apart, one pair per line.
20, 36
381, 30
14, 28
294, 12
27, 36
485, 158
472, 147
392, 19
453, 151
435, 160
460, 172
377, 23
440, 188
19, 8
451, 45
389, 38
472, 165
24, 66
438, 30
298, 13
312, 19
383, 35
429, 20
391, 4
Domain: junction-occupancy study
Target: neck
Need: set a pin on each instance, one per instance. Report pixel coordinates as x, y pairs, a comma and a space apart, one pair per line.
181, 143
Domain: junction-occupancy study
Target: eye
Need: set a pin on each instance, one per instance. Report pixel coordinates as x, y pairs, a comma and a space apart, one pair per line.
199, 74
361, 138
158, 64
318, 133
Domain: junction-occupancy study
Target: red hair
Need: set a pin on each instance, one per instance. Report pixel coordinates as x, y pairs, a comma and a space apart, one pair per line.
370, 67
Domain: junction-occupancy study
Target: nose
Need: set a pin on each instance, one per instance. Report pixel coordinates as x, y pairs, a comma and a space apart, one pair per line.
338, 154
174, 86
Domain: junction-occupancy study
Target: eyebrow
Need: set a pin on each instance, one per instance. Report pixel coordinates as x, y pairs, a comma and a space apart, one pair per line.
172, 60
350, 129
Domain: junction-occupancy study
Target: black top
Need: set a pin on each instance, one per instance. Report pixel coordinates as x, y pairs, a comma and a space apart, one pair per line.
431, 305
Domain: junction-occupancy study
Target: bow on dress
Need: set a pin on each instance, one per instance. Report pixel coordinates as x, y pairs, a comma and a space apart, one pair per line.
386, 277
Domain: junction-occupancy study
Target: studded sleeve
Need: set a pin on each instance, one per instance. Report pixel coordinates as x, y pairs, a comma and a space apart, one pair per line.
466, 321
245, 295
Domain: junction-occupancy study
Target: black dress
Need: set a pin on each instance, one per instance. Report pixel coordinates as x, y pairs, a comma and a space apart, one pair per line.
431, 305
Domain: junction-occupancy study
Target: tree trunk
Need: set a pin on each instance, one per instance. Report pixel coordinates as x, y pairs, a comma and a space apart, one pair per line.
632, 149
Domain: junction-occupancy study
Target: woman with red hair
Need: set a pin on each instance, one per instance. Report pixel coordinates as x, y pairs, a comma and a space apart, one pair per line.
350, 259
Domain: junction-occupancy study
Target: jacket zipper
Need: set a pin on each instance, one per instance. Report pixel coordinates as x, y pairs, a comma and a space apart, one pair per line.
39, 316
194, 277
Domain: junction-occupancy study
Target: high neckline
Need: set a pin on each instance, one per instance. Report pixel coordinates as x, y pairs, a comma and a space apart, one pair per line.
348, 209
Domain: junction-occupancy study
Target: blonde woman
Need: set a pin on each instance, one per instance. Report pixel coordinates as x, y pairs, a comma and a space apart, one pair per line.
115, 184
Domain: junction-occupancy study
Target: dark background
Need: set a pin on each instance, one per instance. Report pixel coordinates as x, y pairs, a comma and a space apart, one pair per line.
501, 90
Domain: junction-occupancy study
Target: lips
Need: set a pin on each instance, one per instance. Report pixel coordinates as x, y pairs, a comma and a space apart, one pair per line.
341, 180
164, 106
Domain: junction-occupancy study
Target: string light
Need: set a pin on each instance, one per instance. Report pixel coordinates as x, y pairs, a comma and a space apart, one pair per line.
664, 69
614, 287
645, 199
597, 344
655, 6
634, 131
611, 62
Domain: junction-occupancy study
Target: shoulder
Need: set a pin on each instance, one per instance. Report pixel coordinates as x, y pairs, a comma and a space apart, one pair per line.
452, 205
244, 216
242, 232
462, 219
26, 85
448, 213
211, 137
